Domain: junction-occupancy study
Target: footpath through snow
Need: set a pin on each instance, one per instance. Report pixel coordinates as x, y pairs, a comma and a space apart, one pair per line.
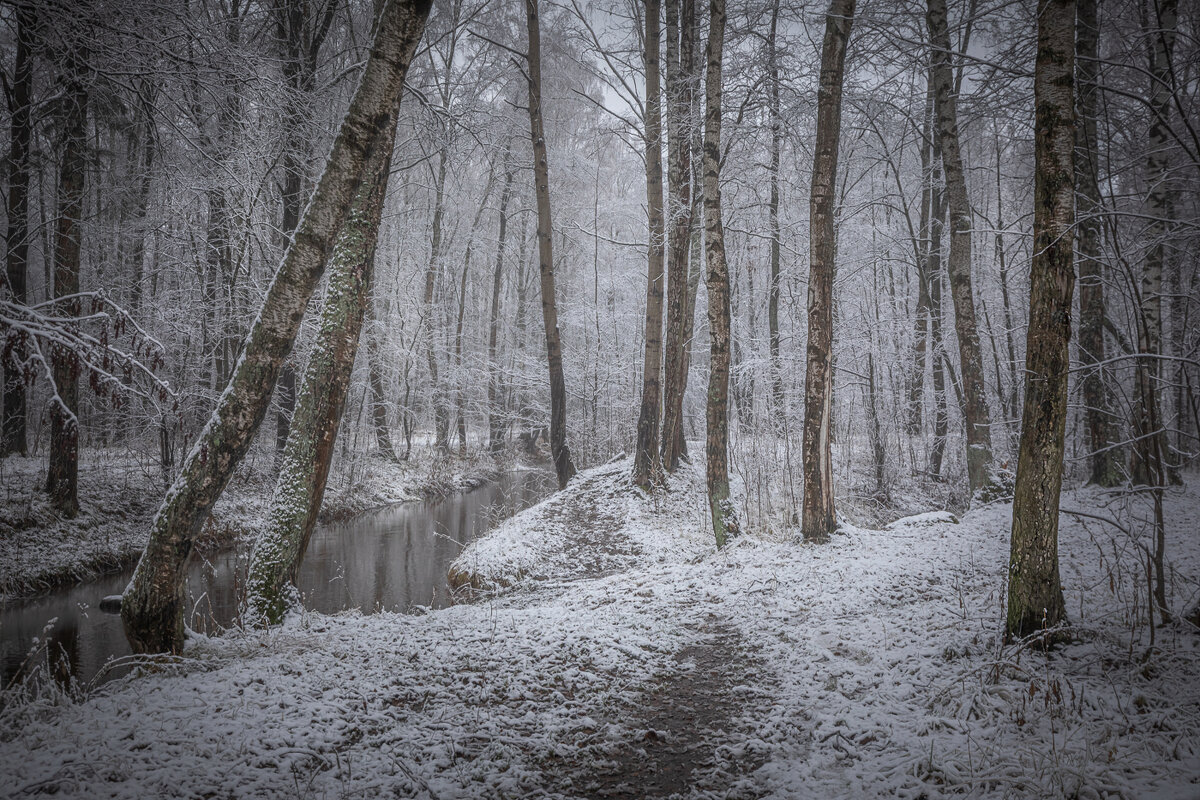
869, 667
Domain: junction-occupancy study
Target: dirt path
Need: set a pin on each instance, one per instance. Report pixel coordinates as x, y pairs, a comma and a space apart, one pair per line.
675, 734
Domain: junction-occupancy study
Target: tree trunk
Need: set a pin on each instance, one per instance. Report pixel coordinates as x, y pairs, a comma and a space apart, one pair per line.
1035, 598
933, 274
975, 408
300, 35
921, 347
818, 519
304, 469
776, 366
716, 450
379, 416
1149, 435
62, 481
647, 464
495, 415
16, 262
564, 467
681, 96
441, 416
1104, 459
152, 609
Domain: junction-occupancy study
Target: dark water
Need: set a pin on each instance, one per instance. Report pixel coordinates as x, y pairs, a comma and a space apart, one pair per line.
392, 559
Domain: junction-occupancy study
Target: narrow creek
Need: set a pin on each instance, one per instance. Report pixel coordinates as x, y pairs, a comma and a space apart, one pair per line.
390, 559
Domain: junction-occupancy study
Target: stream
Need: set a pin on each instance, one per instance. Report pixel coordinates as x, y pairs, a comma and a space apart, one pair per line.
391, 559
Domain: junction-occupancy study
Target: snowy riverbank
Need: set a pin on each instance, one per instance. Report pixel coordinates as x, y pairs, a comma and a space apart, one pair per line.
864, 668
119, 495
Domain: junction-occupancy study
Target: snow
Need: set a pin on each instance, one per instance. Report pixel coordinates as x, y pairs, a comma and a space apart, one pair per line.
867, 667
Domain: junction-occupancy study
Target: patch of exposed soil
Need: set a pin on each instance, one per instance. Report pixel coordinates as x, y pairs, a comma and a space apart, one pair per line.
676, 733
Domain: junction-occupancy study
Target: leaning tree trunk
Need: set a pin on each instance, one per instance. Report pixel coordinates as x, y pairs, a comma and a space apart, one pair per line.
681, 92
304, 468
647, 465
1104, 458
152, 609
62, 481
716, 450
16, 260
975, 408
818, 519
1035, 597
564, 467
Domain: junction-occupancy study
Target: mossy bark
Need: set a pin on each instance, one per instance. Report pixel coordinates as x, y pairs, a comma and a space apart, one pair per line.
1035, 597
308, 453
152, 608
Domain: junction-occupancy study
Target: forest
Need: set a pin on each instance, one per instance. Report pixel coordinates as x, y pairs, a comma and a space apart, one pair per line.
605, 399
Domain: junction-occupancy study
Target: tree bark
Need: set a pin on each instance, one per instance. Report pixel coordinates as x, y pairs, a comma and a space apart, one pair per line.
441, 416
304, 469
774, 339
1035, 598
681, 96
818, 519
152, 609
379, 416
975, 408
647, 464
16, 261
62, 480
916, 380
495, 415
564, 467
716, 450
1105, 468
1149, 435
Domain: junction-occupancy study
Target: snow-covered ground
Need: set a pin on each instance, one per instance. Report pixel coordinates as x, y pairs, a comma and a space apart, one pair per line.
864, 668
120, 492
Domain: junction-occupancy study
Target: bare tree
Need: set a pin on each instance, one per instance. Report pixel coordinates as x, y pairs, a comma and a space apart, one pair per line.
564, 467
62, 480
975, 408
16, 261
647, 464
152, 607
1035, 597
716, 450
818, 519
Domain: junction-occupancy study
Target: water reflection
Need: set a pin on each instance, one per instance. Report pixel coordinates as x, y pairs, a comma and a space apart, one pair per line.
393, 559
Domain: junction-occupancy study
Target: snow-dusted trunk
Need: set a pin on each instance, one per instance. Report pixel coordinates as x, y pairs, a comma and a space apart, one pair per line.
1149, 435
304, 468
975, 408
16, 258
62, 480
818, 519
937, 353
152, 608
681, 220
1035, 598
429, 311
647, 464
564, 467
379, 417
495, 412
1104, 460
776, 144
716, 449
916, 378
